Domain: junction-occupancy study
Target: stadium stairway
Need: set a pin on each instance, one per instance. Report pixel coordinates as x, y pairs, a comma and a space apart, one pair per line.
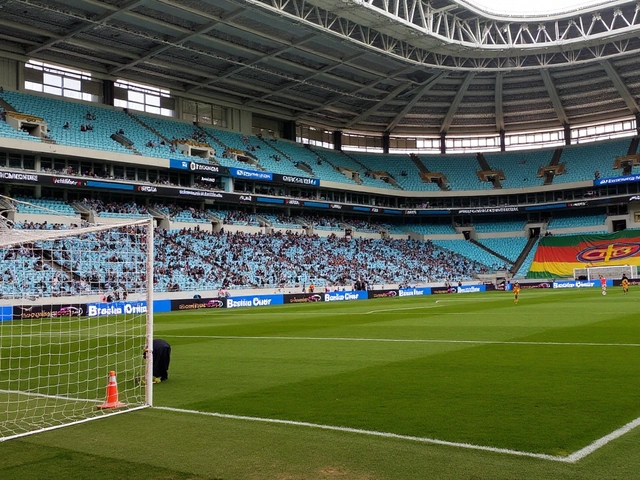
48, 258
148, 127
7, 107
302, 166
492, 252
212, 137
523, 255
418, 163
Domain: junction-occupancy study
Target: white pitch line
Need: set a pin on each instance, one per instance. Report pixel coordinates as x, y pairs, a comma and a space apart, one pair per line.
375, 433
601, 442
56, 397
407, 340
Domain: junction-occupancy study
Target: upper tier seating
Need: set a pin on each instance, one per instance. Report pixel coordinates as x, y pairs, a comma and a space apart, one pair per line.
506, 226
520, 168
339, 159
510, 247
526, 265
281, 156
582, 161
431, 228
401, 167
461, 171
44, 206
105, 122
472, 252
566, 220
281, 221
7, 131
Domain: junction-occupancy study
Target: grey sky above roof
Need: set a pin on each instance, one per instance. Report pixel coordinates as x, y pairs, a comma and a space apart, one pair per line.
538, 7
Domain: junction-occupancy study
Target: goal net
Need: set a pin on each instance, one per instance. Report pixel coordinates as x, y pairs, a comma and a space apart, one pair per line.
614, 272
75, 305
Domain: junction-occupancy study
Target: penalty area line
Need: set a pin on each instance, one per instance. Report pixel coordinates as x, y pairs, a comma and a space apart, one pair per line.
433, 441
406, 340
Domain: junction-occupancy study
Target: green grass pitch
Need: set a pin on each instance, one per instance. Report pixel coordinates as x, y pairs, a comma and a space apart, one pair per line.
383, 389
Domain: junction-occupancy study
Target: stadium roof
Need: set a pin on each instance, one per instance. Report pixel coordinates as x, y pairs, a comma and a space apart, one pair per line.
545, 7
414, 67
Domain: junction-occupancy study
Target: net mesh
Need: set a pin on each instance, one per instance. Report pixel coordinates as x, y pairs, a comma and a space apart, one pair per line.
612, 272
72, 309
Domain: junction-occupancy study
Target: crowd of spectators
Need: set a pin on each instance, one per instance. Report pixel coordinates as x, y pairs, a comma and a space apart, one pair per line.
193, 259
205, 260
114, 207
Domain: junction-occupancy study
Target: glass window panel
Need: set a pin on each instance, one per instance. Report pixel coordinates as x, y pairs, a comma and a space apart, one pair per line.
53, 80
136, 97
72, 83
37, 87
52, 90
152, 100
73, 94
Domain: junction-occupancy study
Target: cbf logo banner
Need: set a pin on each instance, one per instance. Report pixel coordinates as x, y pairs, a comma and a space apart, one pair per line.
556, 257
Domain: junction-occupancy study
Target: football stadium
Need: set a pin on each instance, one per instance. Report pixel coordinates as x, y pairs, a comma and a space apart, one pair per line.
319, 239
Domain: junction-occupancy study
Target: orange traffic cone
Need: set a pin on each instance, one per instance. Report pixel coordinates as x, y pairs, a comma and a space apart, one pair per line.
112, 393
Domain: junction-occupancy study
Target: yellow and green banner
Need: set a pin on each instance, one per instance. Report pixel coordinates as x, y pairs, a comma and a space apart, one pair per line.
556, 257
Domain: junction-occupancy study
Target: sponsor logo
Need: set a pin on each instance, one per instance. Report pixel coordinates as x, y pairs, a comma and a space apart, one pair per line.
239, 172
301, 180
411, 212
606, 253
341, 296
577, 204
610, 181
69, 311
208, 179
119, 308
66, 181
305, 298
489, 210
411, 292
245, 198
468, 289
203, 167
215, 303
147, 188
293, 202
635, 198
25, 177
335, 206
390, 293
244, 302
201, 193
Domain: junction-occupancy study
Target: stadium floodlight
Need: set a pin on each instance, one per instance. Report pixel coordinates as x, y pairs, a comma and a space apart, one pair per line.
59, 338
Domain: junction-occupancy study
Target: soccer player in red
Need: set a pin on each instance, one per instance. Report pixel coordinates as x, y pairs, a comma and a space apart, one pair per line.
603, 284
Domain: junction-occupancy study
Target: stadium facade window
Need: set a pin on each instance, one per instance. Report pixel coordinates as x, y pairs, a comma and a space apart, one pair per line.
317, 137
204, 113
61, 81
144, 98
472, 144
604, 131
527, 140
362, 143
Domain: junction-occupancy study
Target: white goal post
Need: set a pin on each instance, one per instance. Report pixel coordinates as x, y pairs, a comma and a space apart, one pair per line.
613, 272
75, 305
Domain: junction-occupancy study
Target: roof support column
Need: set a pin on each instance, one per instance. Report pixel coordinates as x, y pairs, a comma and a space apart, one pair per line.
443, 142
567, 133
337, 140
